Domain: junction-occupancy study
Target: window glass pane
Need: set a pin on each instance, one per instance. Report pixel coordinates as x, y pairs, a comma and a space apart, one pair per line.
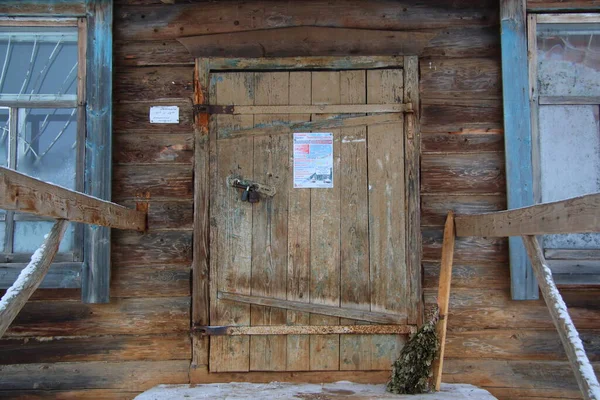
570, 162
29, 235
38, 60
568, 59
46, 144
4, 112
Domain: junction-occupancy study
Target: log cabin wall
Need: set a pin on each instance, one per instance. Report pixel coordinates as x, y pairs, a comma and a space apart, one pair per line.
59, 347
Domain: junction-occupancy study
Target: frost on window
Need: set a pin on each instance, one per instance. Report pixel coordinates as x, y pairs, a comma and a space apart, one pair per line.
568, 59
46, 143
38, 61
29, 235
570, 162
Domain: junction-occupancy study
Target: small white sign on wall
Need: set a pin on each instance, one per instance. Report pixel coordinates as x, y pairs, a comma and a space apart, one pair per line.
164, 115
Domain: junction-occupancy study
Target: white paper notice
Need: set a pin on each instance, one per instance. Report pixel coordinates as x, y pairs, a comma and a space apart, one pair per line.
164, 115
313, 160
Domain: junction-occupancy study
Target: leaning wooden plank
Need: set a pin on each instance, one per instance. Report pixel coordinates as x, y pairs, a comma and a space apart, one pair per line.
314, 41
584, 373
328, 123
370, 316
26, 194
575, 215
320, 109
30, 278
307, 330
444, 296
64, 275
312, 62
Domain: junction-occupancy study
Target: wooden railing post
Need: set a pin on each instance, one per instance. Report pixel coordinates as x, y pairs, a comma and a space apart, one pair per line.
580, 364
444, 296
30, 278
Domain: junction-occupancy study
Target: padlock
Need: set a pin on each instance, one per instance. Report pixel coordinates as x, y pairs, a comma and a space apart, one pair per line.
253, 196
246, 194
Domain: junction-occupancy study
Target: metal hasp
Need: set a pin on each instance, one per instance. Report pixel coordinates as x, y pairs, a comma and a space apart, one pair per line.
240, 183
212, 109
305, 330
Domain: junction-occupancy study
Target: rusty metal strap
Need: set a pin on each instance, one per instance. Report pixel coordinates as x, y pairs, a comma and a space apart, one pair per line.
305, 330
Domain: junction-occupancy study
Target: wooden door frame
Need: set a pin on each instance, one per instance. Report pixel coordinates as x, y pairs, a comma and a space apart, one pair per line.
205, 156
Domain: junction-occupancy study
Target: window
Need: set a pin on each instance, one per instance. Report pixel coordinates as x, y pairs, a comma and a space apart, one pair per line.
39, 118
565, 79
56, 124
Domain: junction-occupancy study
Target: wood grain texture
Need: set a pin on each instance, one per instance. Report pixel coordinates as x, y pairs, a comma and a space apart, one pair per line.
134, 117
307, 41
141, 316
475, 250
578, 214
460, 78
22, 193
155, 248
16, 297
465, 173
143, 53
444, 115
153, 149
558, 5
434, 207
325, 236
131, 375
151, 281
298, 263
154, 83
167, 214
270, 224
464, 141
95, 348
138, 182
62, 275
158, 22
489, 275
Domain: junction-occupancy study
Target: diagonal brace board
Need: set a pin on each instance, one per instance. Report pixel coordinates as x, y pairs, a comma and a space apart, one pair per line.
360, 315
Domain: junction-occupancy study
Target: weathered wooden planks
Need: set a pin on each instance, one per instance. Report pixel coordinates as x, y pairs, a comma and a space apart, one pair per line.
153, 149
151, 281
138, 182
154, 248
154, 83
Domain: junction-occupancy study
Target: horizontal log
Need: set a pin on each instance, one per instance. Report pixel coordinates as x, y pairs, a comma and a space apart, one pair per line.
150, 281
154, 248
154, 83
140, 316
153, 149
559, 5
306, 330
130, 375
311, 62
134, 117
471, 250
315, 109
278, 128
434, 207
307, 41
461, 42
360, 315
145, 53
160, 22
60, 275
31, 276
36, 8
23, 193
489, 276
464, 141
578, 214
169, 214
95, 348
161, 182
476, 173
472, 78
454, 115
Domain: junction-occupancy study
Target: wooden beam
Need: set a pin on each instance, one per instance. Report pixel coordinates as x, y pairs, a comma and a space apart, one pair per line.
23, 193
444, 296
310, 62
575, 215
277, 128
30, 278
321, 109
43, 8
584, 373
307, 41
98, 158
306, 330
360, 315
517, 136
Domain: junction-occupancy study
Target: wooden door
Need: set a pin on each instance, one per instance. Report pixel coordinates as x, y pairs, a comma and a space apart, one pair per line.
343, 247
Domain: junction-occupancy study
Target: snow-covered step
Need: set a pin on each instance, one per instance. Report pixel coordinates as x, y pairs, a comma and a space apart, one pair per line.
304, 391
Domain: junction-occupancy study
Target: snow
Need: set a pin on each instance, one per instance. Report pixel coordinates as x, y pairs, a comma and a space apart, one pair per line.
23, 278
306, 391
583, 363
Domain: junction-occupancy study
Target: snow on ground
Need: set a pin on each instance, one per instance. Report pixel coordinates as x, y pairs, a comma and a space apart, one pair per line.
304, 391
